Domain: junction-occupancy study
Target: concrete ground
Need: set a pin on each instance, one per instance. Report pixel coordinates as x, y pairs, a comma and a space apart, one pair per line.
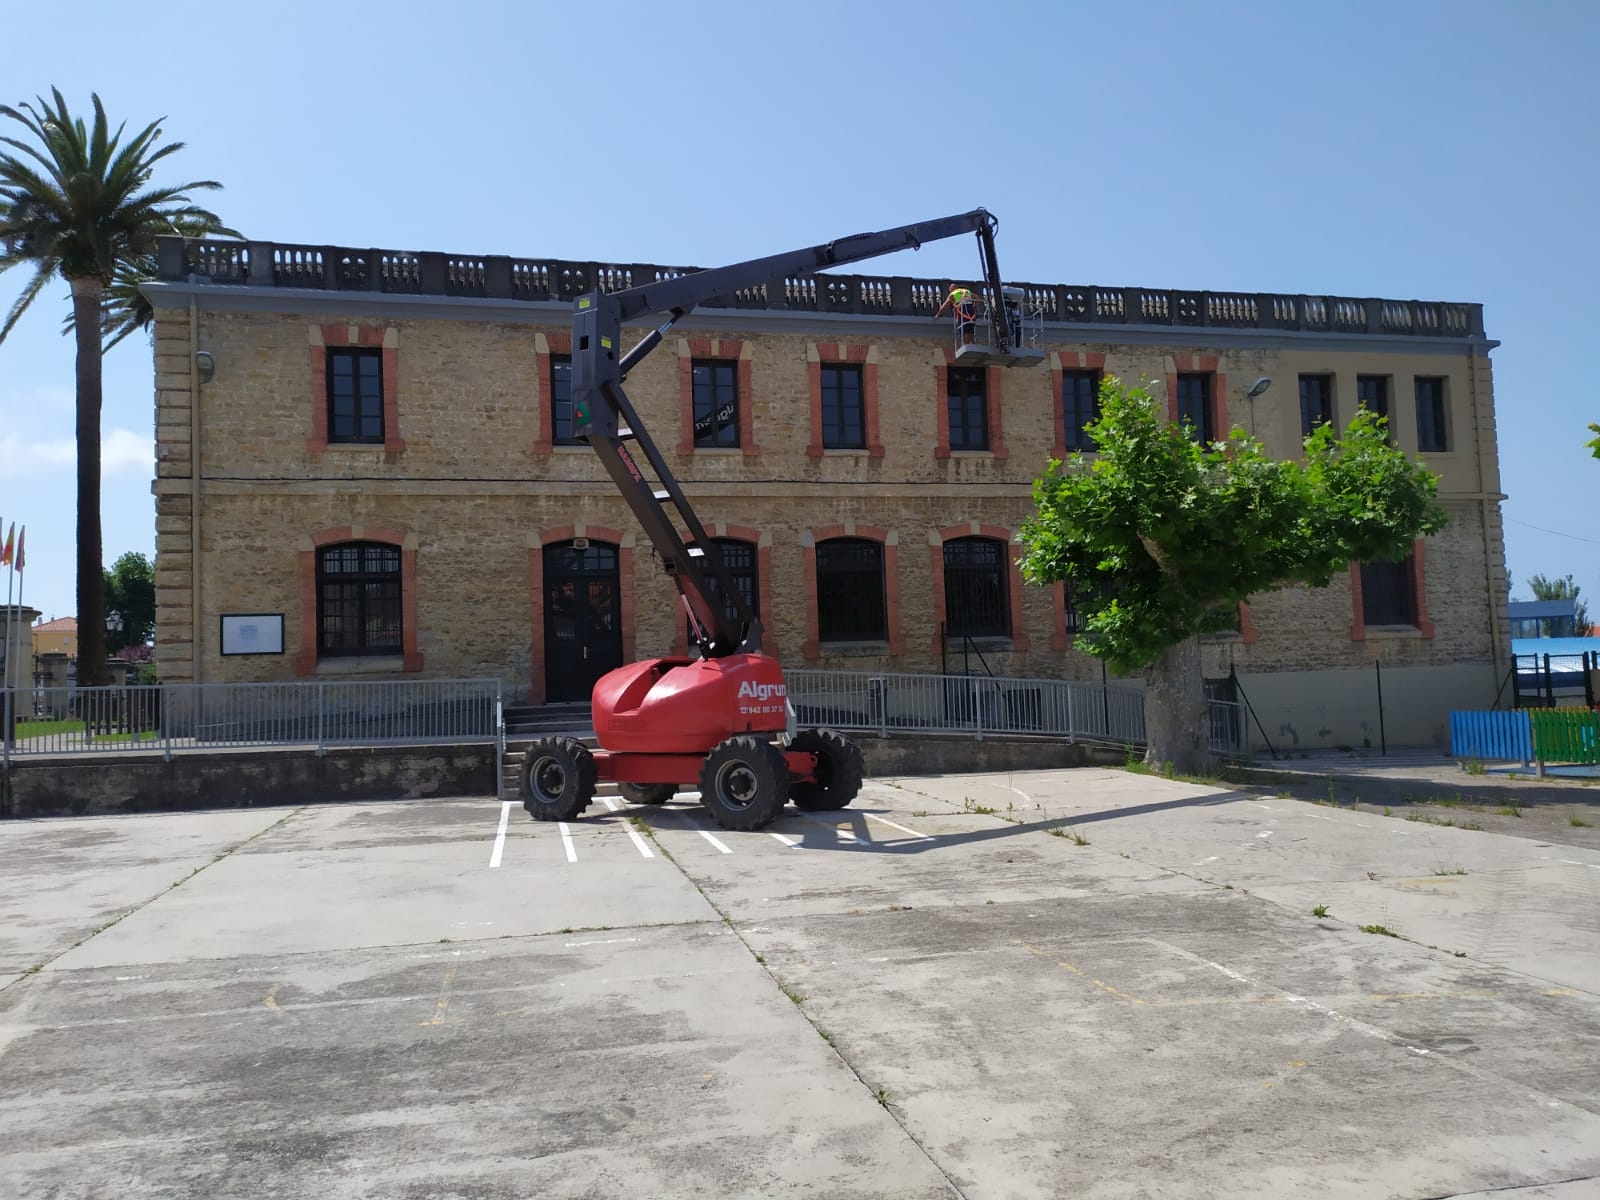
1084, 983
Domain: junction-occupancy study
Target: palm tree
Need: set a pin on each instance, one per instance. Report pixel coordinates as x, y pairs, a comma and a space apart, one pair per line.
77, 202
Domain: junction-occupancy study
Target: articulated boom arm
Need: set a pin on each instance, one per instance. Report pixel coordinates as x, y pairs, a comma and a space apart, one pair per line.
603, 414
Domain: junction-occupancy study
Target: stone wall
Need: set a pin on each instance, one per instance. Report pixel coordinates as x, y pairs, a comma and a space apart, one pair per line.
468, 483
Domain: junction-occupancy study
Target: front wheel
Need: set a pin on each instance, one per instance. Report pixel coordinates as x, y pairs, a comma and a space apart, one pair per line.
744, 783
558, 778
838, 774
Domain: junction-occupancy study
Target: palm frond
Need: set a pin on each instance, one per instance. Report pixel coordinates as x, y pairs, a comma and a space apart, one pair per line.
42, 276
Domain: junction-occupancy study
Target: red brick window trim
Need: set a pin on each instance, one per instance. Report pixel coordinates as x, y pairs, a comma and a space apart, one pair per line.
325, 337
1020, 642
306, 662
1419, 584
1061, 363
545, 346
625, 601
738, 350
1201, 364
995, 426
820, 354
813, 645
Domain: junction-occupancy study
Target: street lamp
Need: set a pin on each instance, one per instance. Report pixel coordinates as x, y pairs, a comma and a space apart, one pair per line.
113, 621
1256, 389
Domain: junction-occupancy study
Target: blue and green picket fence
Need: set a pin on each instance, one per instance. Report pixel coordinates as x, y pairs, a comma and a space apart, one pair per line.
1546, 736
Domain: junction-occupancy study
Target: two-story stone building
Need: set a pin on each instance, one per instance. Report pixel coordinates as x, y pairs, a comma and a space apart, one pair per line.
365, 468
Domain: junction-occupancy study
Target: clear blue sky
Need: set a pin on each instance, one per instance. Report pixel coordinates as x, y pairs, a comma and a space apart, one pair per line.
1427, 150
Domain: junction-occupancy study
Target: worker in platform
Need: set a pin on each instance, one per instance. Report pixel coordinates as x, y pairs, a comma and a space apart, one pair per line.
964, 304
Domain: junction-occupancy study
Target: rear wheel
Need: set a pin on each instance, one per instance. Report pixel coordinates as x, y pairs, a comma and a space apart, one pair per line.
648, 793
558, 779
839, 770
744, 783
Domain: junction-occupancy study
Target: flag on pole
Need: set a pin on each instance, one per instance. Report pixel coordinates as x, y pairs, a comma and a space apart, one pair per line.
21, 537
11, 544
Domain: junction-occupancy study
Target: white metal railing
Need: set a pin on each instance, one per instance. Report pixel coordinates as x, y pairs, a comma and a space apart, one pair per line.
173, 717
971, 704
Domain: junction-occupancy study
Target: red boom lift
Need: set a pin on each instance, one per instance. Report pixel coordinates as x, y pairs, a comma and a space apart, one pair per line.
712, 721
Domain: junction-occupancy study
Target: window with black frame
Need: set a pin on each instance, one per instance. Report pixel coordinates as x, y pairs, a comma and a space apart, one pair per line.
739, 560
1080, 407
355, 394
1372, 394
850, 591
1433, 433
1316, 402
359, 609
976, 596
1194, 404
561, 401
844, 420
968, 400
1389, 593
715, 384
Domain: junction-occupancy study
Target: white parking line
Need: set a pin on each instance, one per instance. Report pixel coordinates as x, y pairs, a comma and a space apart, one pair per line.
639, 843
566, 840
785, 839
500, 837
885, 821
713, 841
844, 835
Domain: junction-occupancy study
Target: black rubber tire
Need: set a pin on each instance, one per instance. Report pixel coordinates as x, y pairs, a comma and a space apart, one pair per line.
839, 770
648, 793
744, 783
558, 779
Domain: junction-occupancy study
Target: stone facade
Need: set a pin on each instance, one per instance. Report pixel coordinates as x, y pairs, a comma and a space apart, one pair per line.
469, 483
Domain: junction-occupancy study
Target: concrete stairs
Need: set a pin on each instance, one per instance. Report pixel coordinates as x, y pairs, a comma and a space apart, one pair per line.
526, 722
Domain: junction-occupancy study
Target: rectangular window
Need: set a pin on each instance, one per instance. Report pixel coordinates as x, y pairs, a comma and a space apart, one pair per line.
1316, 402
975, 592
1372, 393
716, 401
1432, 433
1194, 405
1080, 407
561, 401
1388, 593
355, 395
850, 591
844, 419
358, 600
969, 408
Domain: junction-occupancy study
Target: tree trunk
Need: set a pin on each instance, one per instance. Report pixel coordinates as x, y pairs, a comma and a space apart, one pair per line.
86, 297
1177, 725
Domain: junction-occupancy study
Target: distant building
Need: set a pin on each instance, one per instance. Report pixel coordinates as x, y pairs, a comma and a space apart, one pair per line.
1543, 618
56, 637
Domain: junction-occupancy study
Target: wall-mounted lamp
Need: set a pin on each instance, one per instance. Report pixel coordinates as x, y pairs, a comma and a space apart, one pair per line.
1258, 387
205, 365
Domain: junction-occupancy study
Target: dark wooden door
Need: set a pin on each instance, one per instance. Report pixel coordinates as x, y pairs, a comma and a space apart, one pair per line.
582, 617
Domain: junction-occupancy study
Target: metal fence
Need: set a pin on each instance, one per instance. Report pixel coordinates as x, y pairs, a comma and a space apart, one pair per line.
173, 717
971, 704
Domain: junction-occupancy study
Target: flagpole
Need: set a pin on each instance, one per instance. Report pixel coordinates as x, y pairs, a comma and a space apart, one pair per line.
10, 669
22, 582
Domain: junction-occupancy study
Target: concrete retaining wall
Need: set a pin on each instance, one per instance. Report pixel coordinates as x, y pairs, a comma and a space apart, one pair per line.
242, 779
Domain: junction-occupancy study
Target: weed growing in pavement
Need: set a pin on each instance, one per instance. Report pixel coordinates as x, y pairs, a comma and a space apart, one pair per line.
882, 1096
793, 995
1511, 810
1379, 929
1387, 811
1578, 822
1474, 766
1449, 870
1320, 910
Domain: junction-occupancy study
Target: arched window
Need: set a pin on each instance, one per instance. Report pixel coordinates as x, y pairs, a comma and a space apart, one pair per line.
976, 600
850, 591
359, 608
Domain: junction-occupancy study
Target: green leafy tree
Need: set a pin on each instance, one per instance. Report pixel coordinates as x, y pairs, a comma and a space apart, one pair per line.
1161, 538
76, 202
1594, 443
1563, 589
131, 591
